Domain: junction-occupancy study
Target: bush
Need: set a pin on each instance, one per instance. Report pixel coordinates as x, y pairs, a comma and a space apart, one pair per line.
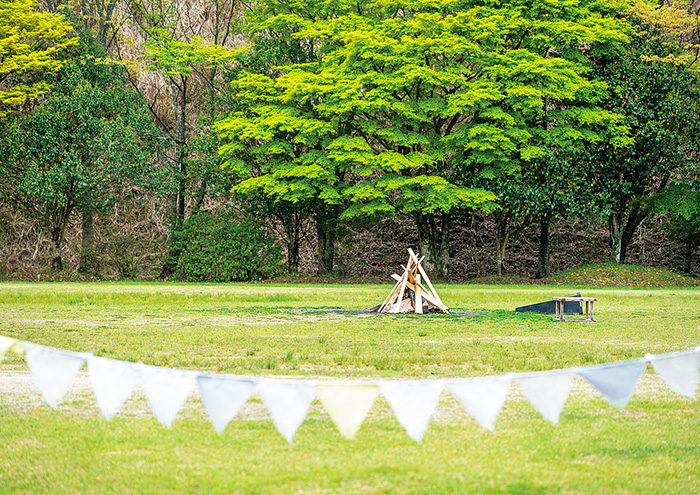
224, 249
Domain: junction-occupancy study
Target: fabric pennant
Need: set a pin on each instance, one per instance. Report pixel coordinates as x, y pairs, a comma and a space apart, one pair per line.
288, 402
347, 404
223, 397
615, 381
5, 344
680, 372
8, 344
166, 390
482, 398
547, 392
413, 403
54, 371
112, 383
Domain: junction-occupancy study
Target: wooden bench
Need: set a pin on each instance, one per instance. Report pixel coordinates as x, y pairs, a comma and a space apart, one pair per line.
588, 311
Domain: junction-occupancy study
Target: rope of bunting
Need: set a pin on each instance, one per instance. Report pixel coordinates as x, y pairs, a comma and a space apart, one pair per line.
347, 402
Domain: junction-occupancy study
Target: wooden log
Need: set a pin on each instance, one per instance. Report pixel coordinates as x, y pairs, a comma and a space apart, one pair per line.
427, 296
430, 285
418, 306
395, 308
383, 305
425, 276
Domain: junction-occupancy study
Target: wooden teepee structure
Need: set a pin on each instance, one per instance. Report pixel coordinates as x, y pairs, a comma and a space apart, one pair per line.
413, 292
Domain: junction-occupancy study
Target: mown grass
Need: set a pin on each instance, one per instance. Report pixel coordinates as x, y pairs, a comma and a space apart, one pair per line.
650, 447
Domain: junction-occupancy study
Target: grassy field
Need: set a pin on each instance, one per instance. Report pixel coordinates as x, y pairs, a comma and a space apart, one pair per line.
650, 447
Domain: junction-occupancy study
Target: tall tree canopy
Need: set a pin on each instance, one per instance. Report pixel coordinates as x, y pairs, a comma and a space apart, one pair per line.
405, 102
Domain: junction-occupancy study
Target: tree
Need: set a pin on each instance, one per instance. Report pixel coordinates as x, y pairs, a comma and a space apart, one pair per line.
673, 23
183, 45
554, 186
661, 104
80, 151
274, 145
682, 203
30, 42
409, 100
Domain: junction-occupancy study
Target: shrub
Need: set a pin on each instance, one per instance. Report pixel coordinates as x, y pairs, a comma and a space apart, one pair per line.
224, 248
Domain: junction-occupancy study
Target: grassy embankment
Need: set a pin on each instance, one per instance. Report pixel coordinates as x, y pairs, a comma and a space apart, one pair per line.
650, 447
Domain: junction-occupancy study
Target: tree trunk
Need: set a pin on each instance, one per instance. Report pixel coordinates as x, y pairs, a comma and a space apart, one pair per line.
325, 238
57, 238
434, 243
58, 221
636, 216
201, 194
292, 230
615, 228
180, 140
87, 256
326, 227
502, 235
543, 266
181, 151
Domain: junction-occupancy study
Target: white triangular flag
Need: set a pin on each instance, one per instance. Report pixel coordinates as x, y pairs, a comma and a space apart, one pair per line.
615, 381
347, 404
166, 390
413, 403
54, 371
223, 397
112, 383
547, 392
482, 397
288, 402
5, 344
680, 372
8, 344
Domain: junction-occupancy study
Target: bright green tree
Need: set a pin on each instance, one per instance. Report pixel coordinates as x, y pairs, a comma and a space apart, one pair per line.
408, 101
30, 42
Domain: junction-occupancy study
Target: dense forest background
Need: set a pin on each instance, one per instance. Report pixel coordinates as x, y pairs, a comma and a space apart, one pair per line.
213, 140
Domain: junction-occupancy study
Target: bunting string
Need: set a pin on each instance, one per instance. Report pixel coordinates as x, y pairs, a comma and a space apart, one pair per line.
288, 400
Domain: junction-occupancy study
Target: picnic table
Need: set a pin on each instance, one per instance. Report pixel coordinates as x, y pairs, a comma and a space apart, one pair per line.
588, 311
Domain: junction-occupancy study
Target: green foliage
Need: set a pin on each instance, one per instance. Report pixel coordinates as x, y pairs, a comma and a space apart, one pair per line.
89, 145
660, 104
395, 111
175, 57
204, 164
224, 248
30, 42
681, 202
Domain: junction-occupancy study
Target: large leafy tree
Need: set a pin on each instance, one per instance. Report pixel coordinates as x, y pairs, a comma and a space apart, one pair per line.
408, 101
85, 148
30, 44
660, 103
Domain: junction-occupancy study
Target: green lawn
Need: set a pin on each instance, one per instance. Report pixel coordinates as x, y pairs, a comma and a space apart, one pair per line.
650, 447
